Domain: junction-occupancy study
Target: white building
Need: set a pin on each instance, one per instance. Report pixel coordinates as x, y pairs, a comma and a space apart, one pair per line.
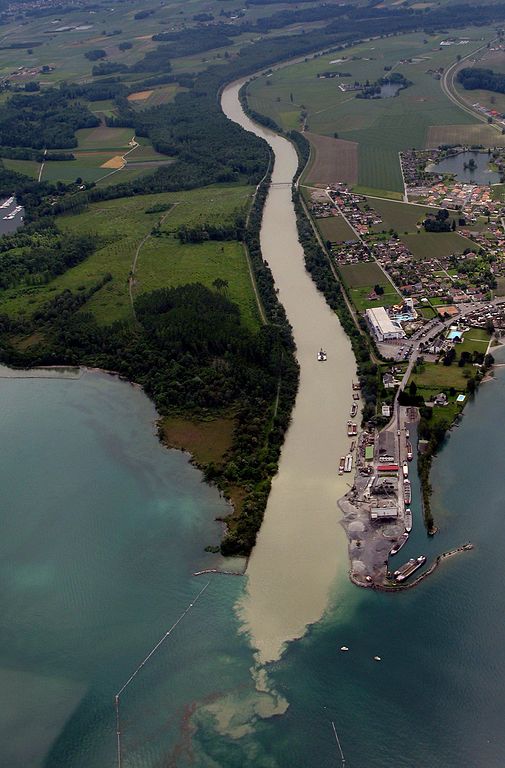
383, 327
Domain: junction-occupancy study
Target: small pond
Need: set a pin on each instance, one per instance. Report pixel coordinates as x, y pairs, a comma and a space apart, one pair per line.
388, 90
480, 174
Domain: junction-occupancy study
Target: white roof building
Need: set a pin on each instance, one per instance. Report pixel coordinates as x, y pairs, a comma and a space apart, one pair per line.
383, 327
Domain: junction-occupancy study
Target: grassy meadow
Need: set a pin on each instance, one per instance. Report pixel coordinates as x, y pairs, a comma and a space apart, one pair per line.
360, 280
122, 225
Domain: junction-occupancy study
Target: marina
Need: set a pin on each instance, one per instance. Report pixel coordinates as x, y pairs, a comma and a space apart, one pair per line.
7, 203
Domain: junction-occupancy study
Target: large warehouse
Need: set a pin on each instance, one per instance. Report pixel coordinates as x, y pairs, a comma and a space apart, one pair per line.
383, 328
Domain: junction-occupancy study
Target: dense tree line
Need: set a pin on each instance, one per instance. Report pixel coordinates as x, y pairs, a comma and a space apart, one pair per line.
41, 255
25, 153
47, 120
208, 231
186, 42
438, 223
485, 79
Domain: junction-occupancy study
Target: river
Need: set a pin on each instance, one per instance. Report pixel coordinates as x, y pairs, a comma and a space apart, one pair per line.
102, 529
301, 550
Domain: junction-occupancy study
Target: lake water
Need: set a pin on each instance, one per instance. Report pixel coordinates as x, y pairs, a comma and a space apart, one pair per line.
455, 165
101, 531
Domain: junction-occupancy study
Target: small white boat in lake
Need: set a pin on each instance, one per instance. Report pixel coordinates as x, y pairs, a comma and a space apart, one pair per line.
344, 648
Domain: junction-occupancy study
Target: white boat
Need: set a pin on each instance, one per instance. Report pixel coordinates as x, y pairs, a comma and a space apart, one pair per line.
405, 467
408, 520
344, 648
321, 355
377, 658
7, 203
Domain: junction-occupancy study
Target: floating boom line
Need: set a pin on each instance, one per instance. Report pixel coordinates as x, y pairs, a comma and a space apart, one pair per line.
338, 742
143, 663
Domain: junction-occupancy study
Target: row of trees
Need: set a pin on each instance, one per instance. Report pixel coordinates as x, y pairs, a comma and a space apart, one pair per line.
472, 79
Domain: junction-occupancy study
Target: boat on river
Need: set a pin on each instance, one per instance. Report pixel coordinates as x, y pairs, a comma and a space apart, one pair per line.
341, 465
409, 568
407, 492
354, 410
348, 463
409, 451
405, 468
321, 355
408, 520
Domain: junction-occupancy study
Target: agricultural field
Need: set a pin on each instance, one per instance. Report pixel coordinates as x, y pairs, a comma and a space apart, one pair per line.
381, 127
331, 160
402, 217
431, 245
335, 229
480, 133
360, 280
28, 167
123, 224
153, 98
101, 155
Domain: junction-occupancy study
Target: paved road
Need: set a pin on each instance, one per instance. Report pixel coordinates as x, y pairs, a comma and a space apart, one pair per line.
447, 85
423, 337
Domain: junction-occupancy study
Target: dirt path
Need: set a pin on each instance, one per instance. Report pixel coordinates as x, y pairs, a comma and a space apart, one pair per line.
131, 279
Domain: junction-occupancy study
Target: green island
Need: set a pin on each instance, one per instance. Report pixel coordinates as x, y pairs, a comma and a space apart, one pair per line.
142, 204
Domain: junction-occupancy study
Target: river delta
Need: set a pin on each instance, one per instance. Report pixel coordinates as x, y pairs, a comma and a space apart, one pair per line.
103, 564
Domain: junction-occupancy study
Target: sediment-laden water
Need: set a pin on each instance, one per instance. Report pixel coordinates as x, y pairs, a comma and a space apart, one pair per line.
301, 550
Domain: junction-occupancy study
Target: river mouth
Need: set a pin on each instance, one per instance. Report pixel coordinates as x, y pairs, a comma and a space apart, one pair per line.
301, 552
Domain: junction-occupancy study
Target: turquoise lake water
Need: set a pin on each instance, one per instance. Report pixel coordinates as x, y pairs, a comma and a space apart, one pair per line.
101, 530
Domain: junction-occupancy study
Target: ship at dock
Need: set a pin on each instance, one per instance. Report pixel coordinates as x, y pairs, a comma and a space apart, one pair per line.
399, 544
409, 451
352, 429
408, 520
405, 468
354, 410
409, 568
341, 465
348, 463
7, 203
407, 492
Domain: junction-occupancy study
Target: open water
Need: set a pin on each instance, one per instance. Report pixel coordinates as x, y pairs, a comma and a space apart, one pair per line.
455, 164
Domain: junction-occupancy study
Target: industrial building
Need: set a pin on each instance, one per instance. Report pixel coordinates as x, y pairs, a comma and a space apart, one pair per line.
382, 326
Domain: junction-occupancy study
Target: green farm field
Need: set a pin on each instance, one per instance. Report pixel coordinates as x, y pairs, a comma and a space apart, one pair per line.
382, 127
431, 245
402, 217
360, 280
28, 167
335, 229
123, 224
